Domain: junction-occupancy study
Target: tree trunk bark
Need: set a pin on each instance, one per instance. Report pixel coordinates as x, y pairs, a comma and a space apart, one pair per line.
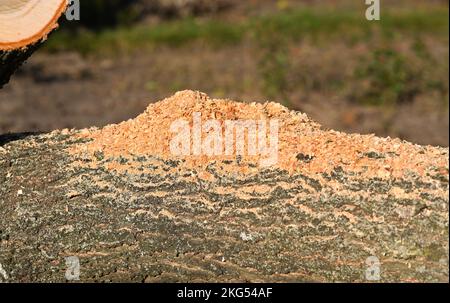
24, 25
10, 61
160, 224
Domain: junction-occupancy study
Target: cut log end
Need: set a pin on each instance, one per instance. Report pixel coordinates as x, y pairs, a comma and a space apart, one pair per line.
24, 24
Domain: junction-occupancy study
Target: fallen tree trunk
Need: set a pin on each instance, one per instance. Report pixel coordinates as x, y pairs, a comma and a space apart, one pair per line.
144, 218
24, 25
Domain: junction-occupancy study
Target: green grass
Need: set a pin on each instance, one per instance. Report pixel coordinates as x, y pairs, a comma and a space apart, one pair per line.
392, 80
291, 25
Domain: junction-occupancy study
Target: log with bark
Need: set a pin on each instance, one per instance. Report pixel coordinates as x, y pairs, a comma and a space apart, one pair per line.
143, 217
24, 25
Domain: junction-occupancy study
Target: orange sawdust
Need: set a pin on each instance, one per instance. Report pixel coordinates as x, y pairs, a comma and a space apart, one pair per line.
303, 147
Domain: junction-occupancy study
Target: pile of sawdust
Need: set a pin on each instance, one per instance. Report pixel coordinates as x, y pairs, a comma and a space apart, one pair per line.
302, 145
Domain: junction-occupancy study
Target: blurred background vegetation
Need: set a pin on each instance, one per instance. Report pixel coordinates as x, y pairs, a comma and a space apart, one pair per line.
388, 77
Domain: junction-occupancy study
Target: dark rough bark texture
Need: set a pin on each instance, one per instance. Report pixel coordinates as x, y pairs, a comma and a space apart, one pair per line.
10, 61
167, 227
